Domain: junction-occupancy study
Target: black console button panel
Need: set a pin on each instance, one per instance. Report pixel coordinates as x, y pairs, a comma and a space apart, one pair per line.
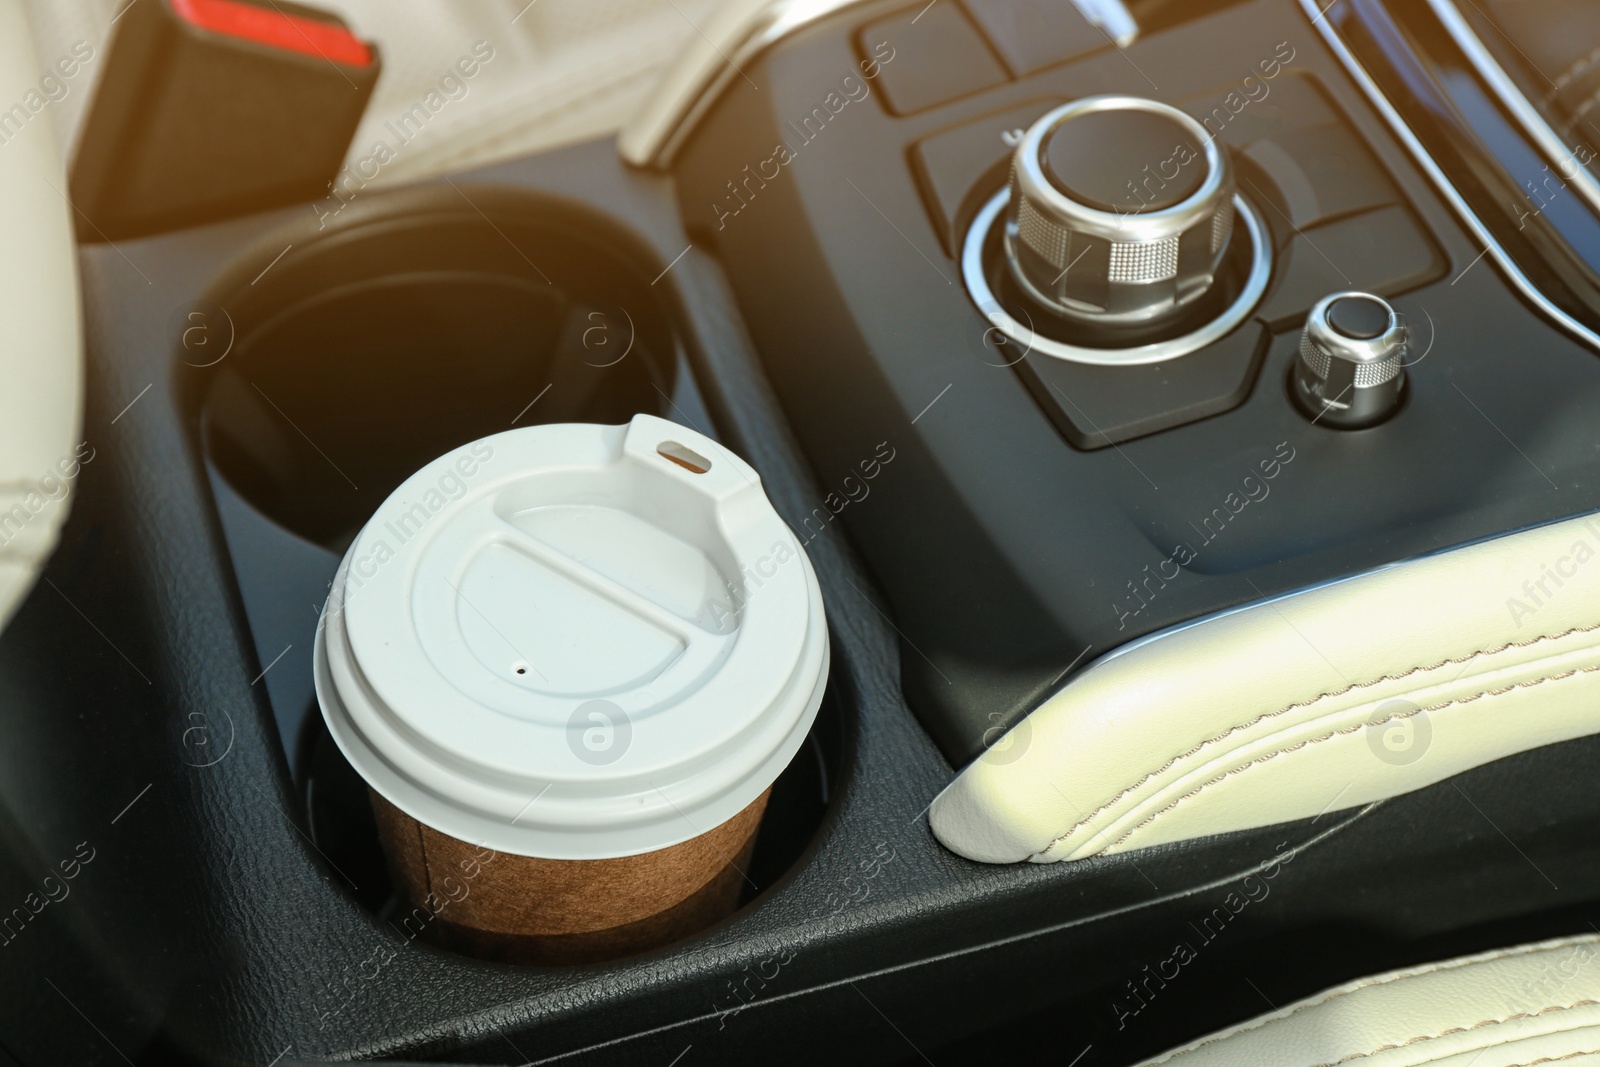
937, 56
1098, 407
1382, 251
1031, 35
1250, 108
1321, 172
1301, 161
1311, 173
940, 55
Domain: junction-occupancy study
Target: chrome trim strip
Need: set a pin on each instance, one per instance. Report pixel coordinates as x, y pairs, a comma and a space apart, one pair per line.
1533, 123
1419, 155
977, 282
714, 59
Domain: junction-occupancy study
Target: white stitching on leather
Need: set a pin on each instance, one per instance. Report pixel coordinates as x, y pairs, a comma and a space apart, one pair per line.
1350, 730
1556, 1059
1075, 827
1339, 992
1547, 1010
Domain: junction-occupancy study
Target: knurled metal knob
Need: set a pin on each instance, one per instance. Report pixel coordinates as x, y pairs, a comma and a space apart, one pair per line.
1350, 372
1121, 210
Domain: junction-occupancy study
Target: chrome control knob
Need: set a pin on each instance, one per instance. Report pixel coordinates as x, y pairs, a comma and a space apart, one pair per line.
1121, 210
1350, 372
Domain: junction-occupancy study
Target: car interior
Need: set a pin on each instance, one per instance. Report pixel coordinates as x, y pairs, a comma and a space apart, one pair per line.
800, 531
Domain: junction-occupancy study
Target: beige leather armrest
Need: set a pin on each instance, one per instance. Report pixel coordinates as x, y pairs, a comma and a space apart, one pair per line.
1282, 710
41, 358
1534, 1004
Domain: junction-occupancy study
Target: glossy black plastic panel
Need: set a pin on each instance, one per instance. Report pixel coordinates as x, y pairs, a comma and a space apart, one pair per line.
948, 59
1532, 208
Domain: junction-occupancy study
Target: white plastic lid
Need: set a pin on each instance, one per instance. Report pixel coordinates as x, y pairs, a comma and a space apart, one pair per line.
574, 642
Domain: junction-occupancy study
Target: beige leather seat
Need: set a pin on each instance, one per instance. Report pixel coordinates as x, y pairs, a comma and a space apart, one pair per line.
42, 446
1515, 1007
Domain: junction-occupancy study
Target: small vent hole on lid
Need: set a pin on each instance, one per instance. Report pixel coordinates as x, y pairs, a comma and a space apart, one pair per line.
687, 458
522, 668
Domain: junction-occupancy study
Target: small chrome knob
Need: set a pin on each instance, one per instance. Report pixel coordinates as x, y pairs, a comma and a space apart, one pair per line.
1121, 210
1350, 372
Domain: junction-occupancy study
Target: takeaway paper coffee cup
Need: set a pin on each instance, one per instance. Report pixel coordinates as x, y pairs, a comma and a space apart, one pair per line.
570, 661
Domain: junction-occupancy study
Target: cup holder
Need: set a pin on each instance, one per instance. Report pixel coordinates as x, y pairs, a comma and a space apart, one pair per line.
341, 823
369, 351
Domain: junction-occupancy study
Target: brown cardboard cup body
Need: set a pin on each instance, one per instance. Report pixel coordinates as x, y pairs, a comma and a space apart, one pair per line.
524, 909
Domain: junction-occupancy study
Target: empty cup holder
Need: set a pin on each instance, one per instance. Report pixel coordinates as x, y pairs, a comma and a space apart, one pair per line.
361, 357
